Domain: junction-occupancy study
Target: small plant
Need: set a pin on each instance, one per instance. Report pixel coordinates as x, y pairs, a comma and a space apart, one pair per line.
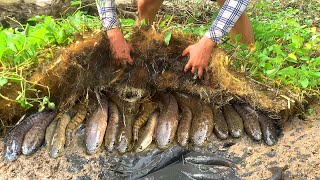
25, 47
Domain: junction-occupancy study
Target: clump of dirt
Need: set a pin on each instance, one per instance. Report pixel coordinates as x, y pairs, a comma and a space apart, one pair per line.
88, 65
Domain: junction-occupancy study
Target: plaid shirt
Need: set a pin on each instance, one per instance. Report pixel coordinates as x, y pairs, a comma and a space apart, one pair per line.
227, 17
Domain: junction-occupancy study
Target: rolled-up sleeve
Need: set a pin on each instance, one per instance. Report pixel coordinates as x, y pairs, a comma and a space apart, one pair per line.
108, 14
227, 17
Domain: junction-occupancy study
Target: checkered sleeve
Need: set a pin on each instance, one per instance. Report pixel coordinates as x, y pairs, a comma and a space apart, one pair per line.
227, 17
108, 14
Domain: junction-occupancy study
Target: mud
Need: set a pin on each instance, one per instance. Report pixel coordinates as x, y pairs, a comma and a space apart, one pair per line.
298, 148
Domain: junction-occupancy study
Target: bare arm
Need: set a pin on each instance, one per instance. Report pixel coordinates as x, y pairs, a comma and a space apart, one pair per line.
108, 16
201, 51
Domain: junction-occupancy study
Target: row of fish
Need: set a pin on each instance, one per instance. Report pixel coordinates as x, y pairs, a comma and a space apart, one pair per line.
170, 117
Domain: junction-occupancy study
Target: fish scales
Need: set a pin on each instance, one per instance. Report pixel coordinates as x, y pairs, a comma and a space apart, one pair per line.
250, 121
96, 127
113, 127
34, 138
14, 140
147, 135
268, 128
76, 120
202, 125
56, 147
234, 121
147, 109
168, 121
184, 125
220, 125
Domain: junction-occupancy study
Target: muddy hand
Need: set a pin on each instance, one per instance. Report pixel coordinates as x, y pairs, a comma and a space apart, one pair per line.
199, 56
120, 48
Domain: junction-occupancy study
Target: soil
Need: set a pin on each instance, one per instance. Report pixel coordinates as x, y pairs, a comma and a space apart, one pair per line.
298, 148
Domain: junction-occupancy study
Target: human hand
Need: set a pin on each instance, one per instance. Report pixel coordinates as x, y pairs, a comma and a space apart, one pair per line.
199, 55
119, 47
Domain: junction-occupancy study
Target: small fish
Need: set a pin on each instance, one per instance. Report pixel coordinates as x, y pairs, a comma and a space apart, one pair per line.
250, 121
96, 127
147, 109
76, 120
202, 126
220, 125
14, 140
147, 135
56, 146
35, 136
234, 121
112, 128
168, 121
125, 137
268, 129
204, 176
209, 160
184, 125
49, 133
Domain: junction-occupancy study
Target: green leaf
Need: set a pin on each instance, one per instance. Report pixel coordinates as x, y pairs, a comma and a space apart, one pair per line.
51, 105
3, 81
127, 22
304, 82
297, 40
167, 37
73, 3
292, 56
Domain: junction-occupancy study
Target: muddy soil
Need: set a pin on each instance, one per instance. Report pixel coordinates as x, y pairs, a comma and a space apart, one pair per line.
298, 148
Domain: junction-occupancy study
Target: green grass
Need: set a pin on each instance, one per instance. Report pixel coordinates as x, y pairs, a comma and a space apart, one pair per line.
23, 48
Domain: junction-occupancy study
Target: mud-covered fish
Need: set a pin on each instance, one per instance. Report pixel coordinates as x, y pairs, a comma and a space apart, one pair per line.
168, 121
147, 136
234, 121
198, 158
146, 110
58, 141
112, 128
268, 128
250, 121
14, 140
204, 176
76, 120
96, 127
220, 126
202, 125
49, 133
125, 134
35, 136
184, 125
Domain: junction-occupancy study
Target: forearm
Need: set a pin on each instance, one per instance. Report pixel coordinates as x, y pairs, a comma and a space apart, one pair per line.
227, 17
108, 14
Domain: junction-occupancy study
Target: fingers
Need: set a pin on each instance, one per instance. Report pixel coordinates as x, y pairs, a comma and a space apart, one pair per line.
186, 51
193, 70
187, 66
129, 60
200, 72
131, 48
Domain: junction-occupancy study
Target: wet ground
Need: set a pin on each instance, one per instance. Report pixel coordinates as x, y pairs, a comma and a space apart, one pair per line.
298, 149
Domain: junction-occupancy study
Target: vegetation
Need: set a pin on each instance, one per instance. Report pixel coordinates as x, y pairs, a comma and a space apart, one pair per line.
23, 48
285, 55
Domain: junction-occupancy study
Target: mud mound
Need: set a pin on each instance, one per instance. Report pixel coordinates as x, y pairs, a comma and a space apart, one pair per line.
88, 66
